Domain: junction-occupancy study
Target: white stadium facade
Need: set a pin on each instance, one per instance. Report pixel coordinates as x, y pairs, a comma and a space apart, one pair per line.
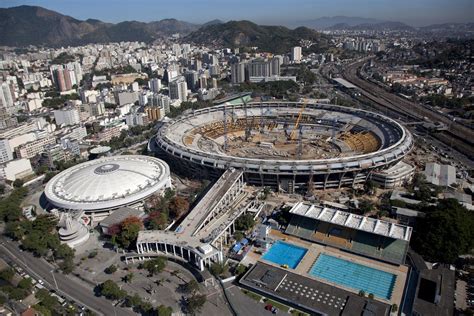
100, 186
285, 145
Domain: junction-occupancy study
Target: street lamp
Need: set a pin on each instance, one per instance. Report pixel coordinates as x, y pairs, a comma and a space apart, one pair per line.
54, 278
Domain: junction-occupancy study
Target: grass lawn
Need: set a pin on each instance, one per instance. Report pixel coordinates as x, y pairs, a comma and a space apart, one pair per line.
252, 295
298, 313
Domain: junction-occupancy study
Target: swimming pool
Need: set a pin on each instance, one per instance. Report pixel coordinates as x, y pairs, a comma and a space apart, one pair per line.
354, 276
283, 253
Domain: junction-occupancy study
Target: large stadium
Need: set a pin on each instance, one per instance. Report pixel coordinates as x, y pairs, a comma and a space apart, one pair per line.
289, 146
102, 185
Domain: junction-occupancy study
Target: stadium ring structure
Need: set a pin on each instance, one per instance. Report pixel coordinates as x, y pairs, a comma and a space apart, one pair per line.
102, 185
289, 146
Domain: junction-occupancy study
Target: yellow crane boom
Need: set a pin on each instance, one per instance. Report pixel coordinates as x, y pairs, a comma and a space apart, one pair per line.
300, 114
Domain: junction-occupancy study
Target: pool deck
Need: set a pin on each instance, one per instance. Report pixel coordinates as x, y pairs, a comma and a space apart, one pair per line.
315, 249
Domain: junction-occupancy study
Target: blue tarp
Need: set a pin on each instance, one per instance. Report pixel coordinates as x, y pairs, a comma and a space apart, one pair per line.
237, 247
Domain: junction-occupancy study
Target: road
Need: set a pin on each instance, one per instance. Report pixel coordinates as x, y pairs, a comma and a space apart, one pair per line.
243, 304
63, 284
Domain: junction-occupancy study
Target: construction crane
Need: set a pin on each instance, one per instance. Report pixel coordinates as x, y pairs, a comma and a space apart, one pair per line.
248, 128
225, 128
300, 114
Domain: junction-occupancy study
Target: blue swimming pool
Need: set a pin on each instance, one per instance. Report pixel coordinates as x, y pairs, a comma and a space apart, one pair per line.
283, 253
354, 276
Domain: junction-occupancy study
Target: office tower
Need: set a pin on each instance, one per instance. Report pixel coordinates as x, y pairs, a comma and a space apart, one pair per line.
237, 71
76, 68
159, 100
203, 82
6, 96
275, 66
5, 151
155, 85
197, 64
178, 89
62, 78
259, 68
214, 70
191, 79
296, 54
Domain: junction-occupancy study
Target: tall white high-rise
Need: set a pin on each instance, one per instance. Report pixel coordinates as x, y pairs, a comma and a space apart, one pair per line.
296, 54
155, 85
178, 89
6, 96
237, 71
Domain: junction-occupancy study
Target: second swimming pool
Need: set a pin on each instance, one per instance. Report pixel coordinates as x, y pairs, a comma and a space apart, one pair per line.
283, 253
354, 276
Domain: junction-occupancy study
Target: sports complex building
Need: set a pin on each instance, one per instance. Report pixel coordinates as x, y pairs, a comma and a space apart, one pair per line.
326, 258
99, 186
289, 146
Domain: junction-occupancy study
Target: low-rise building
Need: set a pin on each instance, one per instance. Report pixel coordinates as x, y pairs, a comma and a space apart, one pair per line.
16, 169
31, 149
108, 133
393, 177
118, 216
440, 175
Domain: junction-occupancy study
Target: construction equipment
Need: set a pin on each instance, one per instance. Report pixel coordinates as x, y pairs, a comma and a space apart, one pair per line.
225, 128
248, 128
300, 114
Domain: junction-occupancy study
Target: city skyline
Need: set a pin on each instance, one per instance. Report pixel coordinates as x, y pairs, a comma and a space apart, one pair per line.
437, 11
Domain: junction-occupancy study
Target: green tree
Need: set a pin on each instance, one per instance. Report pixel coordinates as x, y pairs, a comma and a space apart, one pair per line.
18, 294
67, 265
238, 235
133, 301
369, 187
366, 206
7, 274
111, 269
128, 233
25, 284
111, 290
63, 251
240, 269
190, 287
163, 310
218, 268
155, 266
18, 183
244, 222
445, 233
195, 303
15, 230
46, 300
129, 277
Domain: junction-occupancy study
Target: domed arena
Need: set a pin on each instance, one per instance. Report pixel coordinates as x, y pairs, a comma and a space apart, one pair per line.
105, 184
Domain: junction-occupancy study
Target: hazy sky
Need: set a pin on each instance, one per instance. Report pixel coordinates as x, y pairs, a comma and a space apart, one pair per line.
414, 12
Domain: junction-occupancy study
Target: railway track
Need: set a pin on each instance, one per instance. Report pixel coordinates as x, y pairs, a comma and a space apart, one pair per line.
457, 136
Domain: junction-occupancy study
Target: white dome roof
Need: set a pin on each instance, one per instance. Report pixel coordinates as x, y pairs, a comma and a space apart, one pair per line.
108, 182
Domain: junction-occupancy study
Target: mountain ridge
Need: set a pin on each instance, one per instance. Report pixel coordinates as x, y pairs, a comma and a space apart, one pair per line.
34, 25
276, 39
